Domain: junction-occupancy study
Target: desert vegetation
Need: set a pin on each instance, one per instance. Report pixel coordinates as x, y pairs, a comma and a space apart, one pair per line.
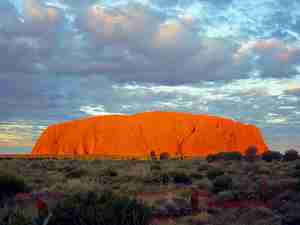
226, 188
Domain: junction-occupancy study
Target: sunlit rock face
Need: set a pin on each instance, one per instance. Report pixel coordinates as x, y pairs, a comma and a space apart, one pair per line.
137, 135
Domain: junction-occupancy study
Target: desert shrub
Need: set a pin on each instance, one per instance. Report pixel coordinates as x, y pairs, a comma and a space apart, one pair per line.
154, 178
263, 170
234, 155
227, 156
277, 186
110, 172
213, 173
211, 157
164, 156
291, 155
11, 184
223, 196
197, 176
270, 156
203, 167
297, 166
251, 154
14, 216
296, 173
155, 167
287, 206
76, 173
93, 209
297, 186
179, 177
257, 216
164, 178
222, 183
153, 155
199, 219
205, 184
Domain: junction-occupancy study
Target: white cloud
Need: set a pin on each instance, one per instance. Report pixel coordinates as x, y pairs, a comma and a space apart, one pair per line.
96, 110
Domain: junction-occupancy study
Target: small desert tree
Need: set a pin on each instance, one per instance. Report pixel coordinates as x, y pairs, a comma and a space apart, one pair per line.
11, 184
153, 155
291, 155
164, 156
251, 154
270, 156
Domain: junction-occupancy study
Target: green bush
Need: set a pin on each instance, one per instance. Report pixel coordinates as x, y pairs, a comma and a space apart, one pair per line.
291, 155
92, 209
11, 184
222, 183
270, 156
213, 173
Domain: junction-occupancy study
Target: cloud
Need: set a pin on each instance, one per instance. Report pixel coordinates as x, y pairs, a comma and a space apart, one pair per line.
18, 133
272, 57
28, 41
120, 25
293, 91
133, 42
96, 110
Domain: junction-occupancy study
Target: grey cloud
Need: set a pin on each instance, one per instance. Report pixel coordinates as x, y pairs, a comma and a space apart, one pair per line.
293, 91
131, 42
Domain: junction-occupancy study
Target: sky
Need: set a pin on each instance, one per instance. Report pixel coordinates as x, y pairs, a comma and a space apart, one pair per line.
65, 59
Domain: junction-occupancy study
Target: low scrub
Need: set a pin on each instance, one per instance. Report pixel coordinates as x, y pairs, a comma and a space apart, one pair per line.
92, 209
155, 167
291, 155
251, 154
11, 184
222, 183
270, 156
110, 172
227, 156
14, 217
205, 184
213, 173
76, 173
224, 196
196, 176
181, 178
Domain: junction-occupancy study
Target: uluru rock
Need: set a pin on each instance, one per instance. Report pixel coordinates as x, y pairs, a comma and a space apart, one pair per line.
137, 135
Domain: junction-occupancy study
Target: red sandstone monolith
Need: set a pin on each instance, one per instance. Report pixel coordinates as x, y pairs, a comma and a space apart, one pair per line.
179, 134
